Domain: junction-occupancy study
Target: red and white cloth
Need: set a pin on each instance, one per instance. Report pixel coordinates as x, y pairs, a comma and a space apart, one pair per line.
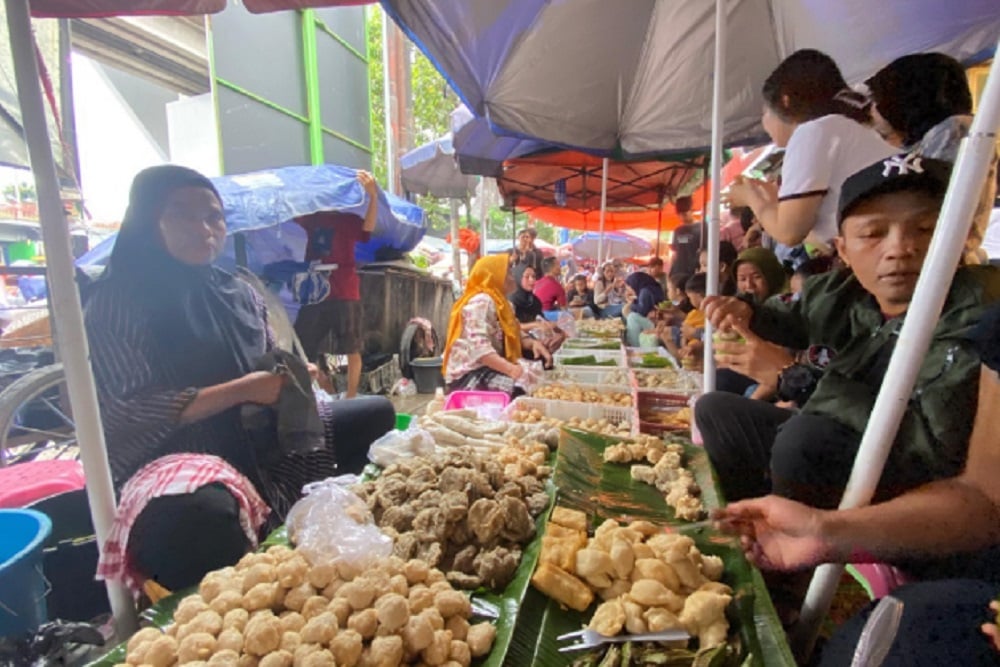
174, 475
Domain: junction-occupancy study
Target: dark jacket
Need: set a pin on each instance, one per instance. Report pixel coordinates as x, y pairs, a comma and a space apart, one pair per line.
837, 312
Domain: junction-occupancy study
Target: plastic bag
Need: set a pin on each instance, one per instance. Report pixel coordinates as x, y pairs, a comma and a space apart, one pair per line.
404, 387
332, 524
395, 446
533, 374
567, 323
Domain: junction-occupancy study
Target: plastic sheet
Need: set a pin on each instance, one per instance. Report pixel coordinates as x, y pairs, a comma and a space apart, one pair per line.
395, 446
332, 524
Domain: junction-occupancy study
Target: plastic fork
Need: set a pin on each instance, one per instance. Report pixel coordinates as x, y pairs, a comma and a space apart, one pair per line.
590, 638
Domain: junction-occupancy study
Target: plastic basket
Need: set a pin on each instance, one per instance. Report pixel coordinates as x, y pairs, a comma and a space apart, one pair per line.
651, 402
603, 389
487, 404
599, 356
588, 375
634, 356
590, 344
22, 584
566, 410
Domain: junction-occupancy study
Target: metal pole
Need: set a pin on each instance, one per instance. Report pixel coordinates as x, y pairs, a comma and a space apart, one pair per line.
659, 227
604, 206
390, 143
456, 249
483, 216
712, 228
914, 338
71, 338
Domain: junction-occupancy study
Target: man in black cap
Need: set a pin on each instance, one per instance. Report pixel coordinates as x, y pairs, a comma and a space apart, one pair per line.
848, 321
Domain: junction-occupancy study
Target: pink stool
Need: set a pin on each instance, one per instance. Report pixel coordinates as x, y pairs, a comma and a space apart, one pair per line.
25, 483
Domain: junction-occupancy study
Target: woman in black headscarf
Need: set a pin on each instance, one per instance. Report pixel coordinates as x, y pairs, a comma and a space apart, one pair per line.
528, 309
646, 293
176, 345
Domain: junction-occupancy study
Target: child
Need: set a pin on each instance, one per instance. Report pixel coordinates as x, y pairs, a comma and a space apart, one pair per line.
689, 348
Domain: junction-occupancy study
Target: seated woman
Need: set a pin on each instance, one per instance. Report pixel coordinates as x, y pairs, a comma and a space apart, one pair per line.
485, 341
175, 345
528, 309
580, 298
648, 294
609, 291
727, 262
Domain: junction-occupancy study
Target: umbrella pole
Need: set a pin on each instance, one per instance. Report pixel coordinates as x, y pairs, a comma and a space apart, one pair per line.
483, 216
659, 227
943, 256
71, 337
456, 249
604, 206
712, 228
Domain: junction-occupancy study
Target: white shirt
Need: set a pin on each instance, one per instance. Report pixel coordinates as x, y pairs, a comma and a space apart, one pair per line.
821, 155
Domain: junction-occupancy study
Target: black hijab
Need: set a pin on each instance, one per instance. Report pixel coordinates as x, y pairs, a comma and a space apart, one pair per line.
206, 322
527, 306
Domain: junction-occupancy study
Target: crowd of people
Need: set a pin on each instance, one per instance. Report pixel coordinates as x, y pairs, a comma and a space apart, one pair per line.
212, 431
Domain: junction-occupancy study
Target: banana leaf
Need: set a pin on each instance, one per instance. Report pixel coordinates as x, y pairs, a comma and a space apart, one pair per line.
501, 608
607, 490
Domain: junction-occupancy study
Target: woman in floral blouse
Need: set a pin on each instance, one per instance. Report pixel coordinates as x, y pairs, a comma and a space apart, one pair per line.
485, 343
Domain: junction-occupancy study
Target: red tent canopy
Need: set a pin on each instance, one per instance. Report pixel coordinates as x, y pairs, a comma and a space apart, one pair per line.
105, 8
572, 180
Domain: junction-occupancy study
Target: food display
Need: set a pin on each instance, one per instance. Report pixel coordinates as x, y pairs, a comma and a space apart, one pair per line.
468, 515
602, 425
591, 344
667, 473
587, 360
653, 360
647, 580
612, 328
579, 393
465, 429
675, 419
665, 379
616, 377
275, 609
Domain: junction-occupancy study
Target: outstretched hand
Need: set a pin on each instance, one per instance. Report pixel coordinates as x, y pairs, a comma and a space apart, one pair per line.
725, 312
367, 181
776, 533
755, 358
990, 629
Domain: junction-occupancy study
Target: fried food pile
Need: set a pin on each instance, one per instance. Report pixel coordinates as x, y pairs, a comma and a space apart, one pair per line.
466, 514
582, 394
603, 426
666, 378
667, 473
649, 581
274, 609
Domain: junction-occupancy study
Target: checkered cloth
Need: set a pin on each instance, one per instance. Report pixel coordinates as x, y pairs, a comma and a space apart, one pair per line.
174, 475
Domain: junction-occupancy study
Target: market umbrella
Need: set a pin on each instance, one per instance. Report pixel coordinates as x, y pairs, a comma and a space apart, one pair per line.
479, 150
633, 76
431, 169
615, 245
67, 313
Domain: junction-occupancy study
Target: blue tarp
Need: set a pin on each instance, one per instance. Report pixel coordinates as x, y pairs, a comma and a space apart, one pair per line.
431, 169
263, 204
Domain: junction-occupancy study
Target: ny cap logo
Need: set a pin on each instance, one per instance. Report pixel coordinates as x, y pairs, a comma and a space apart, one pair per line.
910, 163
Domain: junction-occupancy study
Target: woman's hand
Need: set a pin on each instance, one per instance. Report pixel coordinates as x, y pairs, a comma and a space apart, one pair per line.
367, 181
756, 358
322, 379
262, 387
725, 312
539, 351
749, 192
777, 533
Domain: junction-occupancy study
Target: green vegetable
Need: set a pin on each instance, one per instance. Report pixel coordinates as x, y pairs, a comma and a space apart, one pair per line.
588, 360
653, 360
613, 658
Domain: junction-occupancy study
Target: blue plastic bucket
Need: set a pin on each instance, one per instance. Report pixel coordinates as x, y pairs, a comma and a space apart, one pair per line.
22, 584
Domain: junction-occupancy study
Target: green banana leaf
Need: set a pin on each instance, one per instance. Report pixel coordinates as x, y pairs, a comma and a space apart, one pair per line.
500, 608
607, 490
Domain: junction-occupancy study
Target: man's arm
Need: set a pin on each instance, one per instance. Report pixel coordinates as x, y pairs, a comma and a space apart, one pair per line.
960, 514
371, 189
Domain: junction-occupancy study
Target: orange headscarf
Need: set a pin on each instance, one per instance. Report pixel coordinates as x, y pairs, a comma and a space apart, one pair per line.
487, 277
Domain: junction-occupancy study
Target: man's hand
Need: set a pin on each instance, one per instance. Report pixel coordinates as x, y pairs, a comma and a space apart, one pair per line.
367, 181
539, 351
990, 629
756, 358
777, 533
725, 312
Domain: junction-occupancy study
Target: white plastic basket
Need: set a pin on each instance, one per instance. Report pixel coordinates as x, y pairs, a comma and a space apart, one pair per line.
589, 375
633, 356
603, 390
585, 343
599, 355
566, 410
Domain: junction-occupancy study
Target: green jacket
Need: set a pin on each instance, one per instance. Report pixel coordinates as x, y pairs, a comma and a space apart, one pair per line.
836, 311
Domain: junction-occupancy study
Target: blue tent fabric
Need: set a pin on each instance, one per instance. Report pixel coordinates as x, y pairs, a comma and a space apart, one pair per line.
480, 150
264, 204
430, 169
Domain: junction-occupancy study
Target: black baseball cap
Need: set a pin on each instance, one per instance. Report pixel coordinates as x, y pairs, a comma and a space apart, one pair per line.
903, 172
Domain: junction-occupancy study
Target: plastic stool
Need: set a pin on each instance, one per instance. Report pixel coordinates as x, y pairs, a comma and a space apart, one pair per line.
878, 579
25, 483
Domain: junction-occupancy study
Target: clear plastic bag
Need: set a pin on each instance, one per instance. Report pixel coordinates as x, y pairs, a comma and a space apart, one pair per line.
532, 376
332, 524
567, 323
395, 446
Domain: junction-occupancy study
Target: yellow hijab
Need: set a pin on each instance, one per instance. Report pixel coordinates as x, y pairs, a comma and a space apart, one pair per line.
487, 277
